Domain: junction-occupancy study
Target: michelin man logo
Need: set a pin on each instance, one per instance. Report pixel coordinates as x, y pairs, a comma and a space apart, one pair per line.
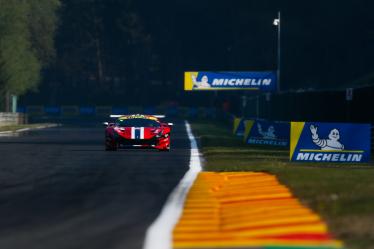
332, 143
201, 84
269, 134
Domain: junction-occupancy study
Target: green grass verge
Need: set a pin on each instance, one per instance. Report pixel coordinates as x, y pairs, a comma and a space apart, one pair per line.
343, 194
18, 127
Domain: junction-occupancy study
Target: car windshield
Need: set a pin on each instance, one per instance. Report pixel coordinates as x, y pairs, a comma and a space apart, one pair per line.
137, 122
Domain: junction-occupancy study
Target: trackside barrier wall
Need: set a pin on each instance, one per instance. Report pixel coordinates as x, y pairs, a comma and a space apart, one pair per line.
69, 111
35, 110
120, 110
52, 110
105, 111
87, 110
7, 118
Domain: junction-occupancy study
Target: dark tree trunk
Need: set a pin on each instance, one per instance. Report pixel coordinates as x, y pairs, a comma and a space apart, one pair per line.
7, 102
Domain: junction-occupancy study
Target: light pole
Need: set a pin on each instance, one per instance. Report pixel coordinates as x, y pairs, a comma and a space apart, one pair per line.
277, 22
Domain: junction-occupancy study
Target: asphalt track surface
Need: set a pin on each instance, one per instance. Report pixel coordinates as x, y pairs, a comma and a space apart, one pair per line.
60, 189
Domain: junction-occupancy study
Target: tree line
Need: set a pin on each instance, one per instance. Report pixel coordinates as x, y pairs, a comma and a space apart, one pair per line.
27, 30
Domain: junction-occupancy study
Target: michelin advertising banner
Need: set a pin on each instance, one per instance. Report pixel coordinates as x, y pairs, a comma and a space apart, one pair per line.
264, 132
238, 126
196, 81
330, 142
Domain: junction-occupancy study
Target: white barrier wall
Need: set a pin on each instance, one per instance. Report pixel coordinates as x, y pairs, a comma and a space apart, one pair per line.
7, 118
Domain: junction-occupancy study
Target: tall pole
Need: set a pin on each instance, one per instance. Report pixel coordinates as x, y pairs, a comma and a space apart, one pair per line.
279, 51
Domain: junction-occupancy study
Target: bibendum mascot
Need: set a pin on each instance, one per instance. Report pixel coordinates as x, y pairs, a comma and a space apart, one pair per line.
332, 143
269, 134
201, 84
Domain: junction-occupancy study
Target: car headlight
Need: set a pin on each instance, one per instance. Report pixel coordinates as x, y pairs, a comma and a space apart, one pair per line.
160, 135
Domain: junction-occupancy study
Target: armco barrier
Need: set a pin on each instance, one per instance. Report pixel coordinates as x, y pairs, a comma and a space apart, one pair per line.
52, 110
103, 111
35, 110
170, 111
87, 110
70, 110
120, 110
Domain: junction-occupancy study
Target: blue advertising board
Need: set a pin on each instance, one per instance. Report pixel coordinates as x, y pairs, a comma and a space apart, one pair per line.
52, 110
120, 110
330, 142
198, 81
87, 110
263, 132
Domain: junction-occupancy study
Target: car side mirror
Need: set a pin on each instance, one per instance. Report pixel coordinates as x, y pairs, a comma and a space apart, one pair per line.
170, 124
106, 124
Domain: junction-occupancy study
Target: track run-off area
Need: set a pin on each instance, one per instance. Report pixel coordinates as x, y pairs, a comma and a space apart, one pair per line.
59, 188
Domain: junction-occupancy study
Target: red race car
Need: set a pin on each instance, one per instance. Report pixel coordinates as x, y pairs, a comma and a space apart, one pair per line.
137, 131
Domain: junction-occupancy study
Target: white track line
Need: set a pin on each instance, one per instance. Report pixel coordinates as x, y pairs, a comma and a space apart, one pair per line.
159, 234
